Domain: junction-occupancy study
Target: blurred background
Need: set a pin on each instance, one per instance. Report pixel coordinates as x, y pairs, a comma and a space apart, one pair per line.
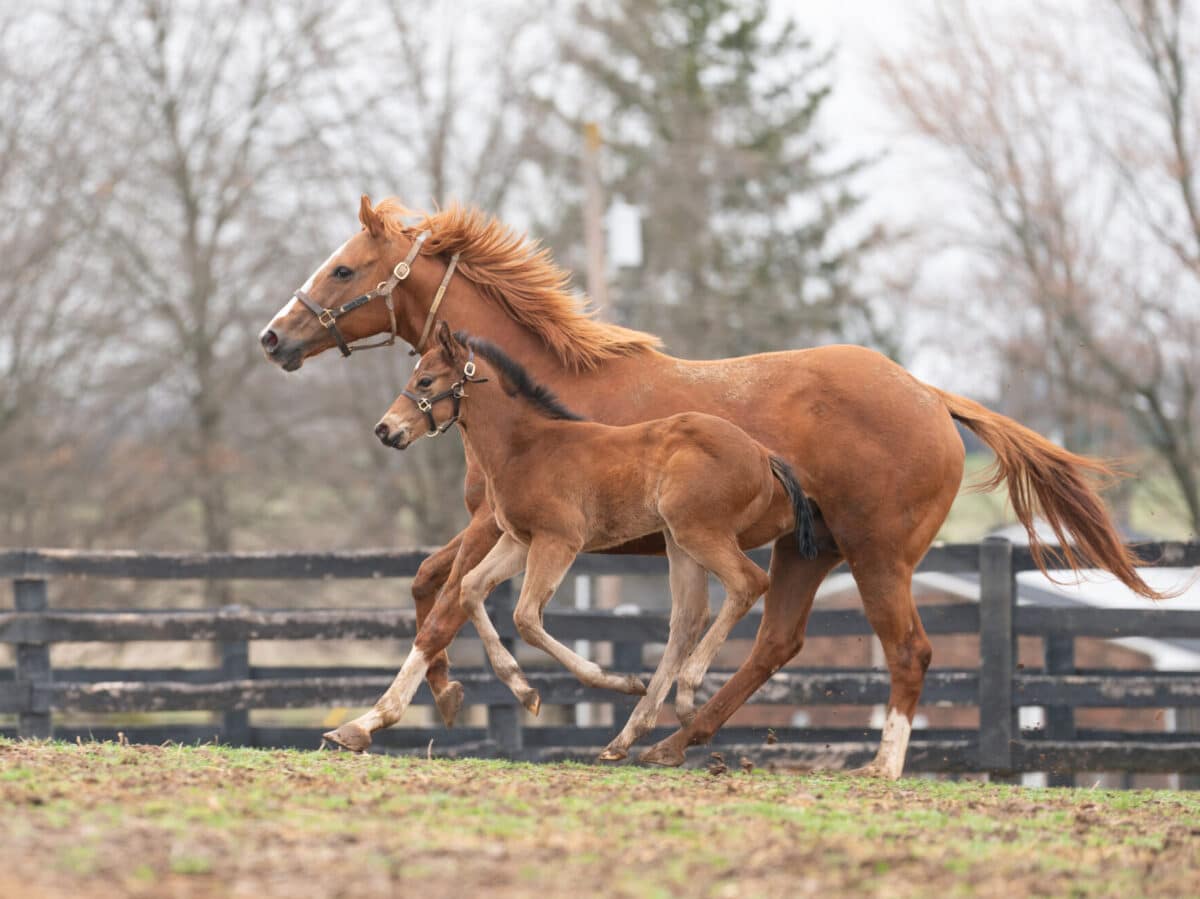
1002, 197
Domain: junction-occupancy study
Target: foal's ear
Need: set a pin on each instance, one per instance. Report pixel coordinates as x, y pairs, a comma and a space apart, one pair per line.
446, 339
369, 217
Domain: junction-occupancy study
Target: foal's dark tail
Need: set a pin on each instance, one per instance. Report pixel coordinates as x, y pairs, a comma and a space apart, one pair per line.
806, 529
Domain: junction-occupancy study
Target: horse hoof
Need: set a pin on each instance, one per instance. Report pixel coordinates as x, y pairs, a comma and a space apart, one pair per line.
663, 754
350, 736
531, 699
449, 701
633, 686
612, 754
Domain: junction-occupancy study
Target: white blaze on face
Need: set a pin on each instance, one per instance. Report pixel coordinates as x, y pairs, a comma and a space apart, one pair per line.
307, 286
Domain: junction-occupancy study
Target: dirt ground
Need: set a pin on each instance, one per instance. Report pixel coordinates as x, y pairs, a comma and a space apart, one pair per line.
108, 820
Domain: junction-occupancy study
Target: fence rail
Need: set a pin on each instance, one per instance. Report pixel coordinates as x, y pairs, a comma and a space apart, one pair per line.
34, 692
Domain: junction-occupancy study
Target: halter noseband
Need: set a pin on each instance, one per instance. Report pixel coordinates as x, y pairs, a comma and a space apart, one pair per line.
328, 317
455, 392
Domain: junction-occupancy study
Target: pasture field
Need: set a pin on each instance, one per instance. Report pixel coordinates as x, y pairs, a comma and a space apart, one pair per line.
102, 819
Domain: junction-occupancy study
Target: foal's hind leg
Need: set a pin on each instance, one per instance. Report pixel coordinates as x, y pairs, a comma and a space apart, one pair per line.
744, 583
506, 560
689, 615
548, 562
794, 582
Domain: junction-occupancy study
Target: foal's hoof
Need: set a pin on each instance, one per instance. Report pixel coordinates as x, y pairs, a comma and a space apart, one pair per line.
632, 684
351, 736
612, 754
449, 701
531, 699
663, 753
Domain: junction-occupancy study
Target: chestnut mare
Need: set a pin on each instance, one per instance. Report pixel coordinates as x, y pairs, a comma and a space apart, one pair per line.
559, 486
876, 449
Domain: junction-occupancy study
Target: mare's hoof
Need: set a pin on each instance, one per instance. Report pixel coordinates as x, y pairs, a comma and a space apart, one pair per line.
612, 754
449, 701
663, 753
873, 771
531, 699
351, 736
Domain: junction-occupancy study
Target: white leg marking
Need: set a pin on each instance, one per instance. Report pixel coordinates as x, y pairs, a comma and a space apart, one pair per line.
893, 745
391, 705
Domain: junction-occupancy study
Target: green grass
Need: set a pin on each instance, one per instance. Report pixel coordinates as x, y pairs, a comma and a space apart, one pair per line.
211, 820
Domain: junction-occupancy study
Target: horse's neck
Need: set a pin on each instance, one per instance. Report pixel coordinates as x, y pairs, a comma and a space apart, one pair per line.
497, 427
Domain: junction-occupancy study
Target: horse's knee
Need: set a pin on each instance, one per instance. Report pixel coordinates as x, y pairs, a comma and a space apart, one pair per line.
430, 576
774, 650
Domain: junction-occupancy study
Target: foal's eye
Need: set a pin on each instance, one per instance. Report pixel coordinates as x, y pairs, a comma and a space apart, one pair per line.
342, 273
425, 382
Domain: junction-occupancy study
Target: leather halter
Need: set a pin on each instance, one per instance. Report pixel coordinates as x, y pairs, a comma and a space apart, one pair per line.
455, 392
328, 317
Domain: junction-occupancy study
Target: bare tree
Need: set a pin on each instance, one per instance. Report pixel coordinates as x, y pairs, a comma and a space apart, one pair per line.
1079, 219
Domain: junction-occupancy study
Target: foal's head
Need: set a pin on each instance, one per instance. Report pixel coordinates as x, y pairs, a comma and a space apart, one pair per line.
359, 266
436, 393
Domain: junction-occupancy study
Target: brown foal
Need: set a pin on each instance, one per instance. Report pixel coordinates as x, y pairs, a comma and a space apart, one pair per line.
559, 485
877, 449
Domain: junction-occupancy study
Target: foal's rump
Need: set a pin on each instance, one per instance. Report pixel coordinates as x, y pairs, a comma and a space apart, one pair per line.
715, 471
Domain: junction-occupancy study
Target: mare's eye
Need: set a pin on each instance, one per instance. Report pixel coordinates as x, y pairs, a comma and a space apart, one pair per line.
425, 382
342, 273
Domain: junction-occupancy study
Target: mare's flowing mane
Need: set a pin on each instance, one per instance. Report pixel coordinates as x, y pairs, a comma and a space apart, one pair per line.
520, 275
538, 395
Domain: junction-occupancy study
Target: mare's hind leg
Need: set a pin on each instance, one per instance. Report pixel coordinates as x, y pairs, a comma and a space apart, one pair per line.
689, 616
744, 583
506, 560
548, 562
888, 603
794, 582
430, 577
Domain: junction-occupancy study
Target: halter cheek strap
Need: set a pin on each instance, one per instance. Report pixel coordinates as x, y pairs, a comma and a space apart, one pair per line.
454, 392
328, 317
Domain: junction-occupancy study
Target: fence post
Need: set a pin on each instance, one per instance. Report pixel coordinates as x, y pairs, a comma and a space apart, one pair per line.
997, 655
1059, 654
504, 721
33, 665
235, 665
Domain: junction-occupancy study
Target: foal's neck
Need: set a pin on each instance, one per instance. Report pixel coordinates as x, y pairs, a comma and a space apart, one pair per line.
498, 427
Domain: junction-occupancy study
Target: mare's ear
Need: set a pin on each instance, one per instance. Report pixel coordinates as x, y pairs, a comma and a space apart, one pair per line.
446, 340
369, 217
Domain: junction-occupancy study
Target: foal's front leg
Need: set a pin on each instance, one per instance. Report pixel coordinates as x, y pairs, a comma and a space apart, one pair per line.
689, 617
506, 560
547, 564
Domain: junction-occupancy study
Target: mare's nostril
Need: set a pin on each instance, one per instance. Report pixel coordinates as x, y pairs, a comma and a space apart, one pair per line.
270, 340
381, 431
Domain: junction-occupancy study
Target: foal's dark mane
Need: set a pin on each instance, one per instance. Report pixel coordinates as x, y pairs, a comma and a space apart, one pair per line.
538, 395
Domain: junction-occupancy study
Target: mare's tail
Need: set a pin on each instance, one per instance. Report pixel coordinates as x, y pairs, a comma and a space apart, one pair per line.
1047, 478
806, 529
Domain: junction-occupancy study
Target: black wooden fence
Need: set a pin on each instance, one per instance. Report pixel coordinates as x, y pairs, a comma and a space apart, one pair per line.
33, 691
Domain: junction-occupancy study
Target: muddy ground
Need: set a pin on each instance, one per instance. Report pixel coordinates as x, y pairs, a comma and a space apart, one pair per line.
109, 820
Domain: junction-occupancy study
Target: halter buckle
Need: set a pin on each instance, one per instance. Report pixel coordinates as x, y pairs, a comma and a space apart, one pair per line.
469, 370
402, 270
327, 318
424, 405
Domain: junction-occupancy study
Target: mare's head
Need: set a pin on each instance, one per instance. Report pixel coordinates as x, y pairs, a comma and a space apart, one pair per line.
357, 268
432, 399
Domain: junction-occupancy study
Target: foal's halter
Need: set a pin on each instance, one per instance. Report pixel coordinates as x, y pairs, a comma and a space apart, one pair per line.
328, 317
455, 392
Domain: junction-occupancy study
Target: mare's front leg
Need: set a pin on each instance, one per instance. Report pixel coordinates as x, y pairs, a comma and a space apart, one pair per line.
430, 577
689, 617
444, 621
548, 562
506, 560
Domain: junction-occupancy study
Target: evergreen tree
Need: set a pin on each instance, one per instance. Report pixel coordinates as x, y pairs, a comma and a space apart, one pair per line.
709, 115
